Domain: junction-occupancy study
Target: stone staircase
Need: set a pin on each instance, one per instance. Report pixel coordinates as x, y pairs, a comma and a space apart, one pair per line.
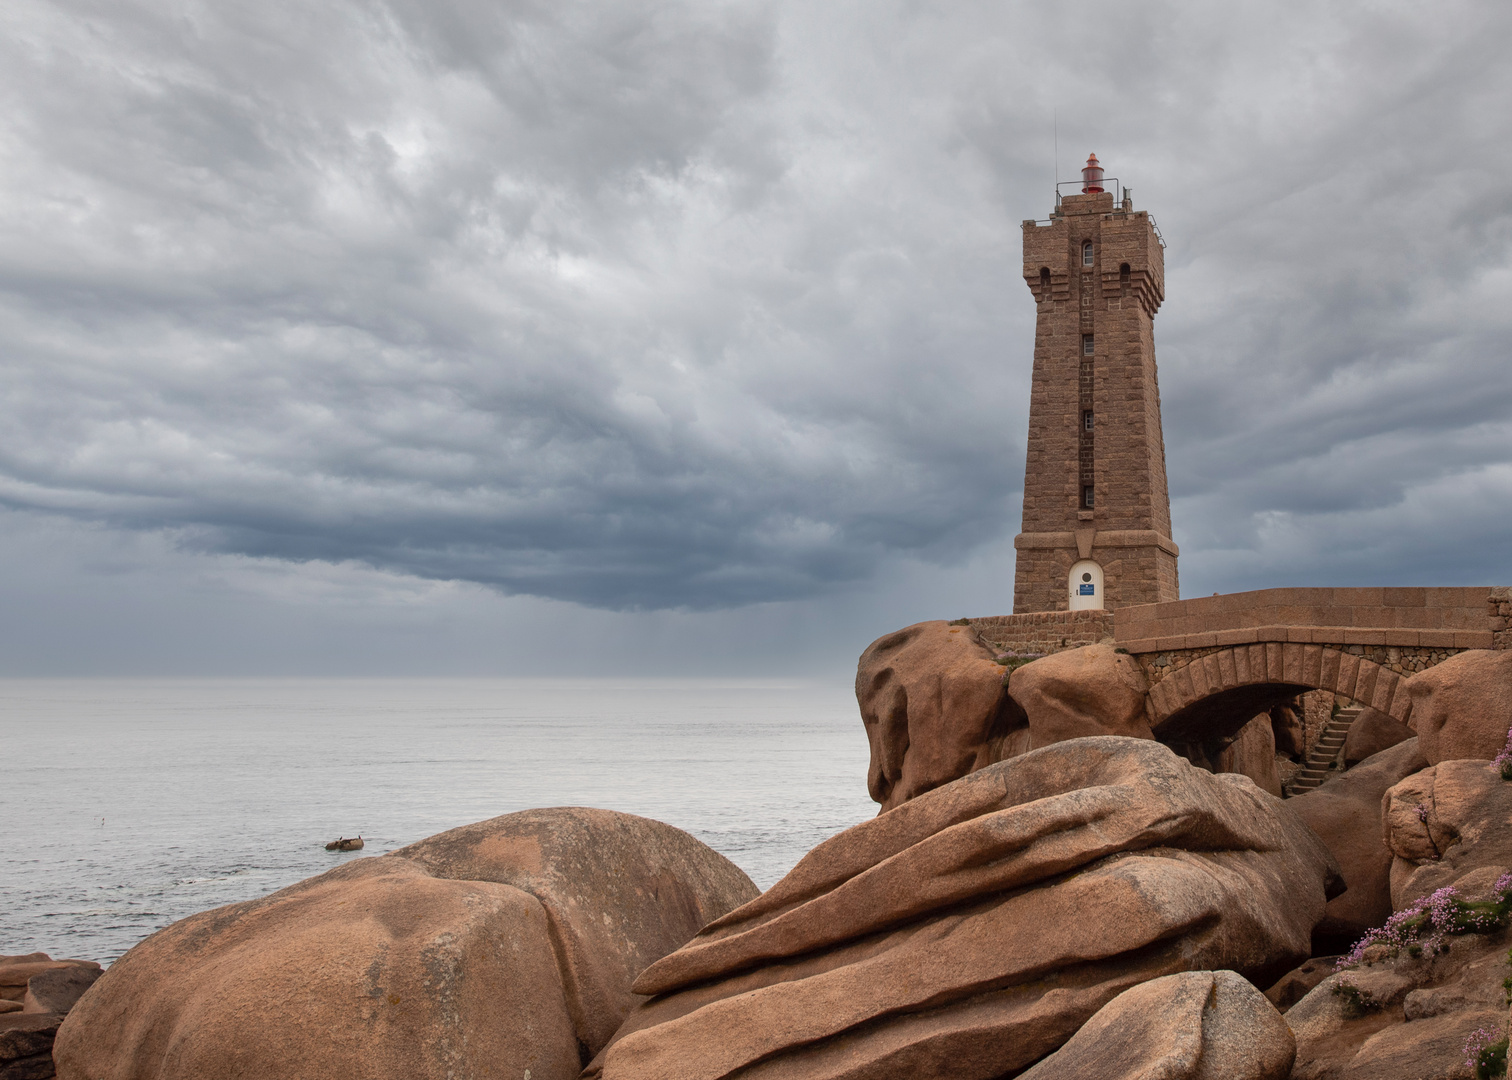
1320, 761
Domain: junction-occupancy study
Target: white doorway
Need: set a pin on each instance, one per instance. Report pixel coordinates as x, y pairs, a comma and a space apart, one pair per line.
1085, 585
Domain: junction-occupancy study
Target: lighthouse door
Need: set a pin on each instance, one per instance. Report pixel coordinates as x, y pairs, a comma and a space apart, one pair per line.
1085, 584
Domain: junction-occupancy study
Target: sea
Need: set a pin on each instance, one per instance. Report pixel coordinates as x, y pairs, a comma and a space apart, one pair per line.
126, 804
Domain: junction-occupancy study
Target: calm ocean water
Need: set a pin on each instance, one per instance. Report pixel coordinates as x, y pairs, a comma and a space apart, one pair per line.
127, 804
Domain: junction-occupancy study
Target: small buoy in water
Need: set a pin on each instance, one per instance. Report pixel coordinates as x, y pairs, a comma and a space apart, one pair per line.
344, 844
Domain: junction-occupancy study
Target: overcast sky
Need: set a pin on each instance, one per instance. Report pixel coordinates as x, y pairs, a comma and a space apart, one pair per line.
442, 336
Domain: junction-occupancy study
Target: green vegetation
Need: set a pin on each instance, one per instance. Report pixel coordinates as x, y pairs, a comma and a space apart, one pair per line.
1424, 926
1356, 1001
1487, 1058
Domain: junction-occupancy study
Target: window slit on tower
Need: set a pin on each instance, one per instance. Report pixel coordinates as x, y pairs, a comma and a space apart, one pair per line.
1086, 253
1086, 384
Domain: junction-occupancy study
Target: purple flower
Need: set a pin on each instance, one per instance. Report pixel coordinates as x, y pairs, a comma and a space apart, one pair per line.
1478, 1041
1503, 760
1427, 922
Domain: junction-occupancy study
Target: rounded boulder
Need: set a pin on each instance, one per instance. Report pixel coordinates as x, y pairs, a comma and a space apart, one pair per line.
502, 949
1198, 1025
936, 707
1079, 693
1462, 708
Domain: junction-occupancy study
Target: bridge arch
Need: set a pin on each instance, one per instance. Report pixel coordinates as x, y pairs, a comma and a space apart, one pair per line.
1218, 690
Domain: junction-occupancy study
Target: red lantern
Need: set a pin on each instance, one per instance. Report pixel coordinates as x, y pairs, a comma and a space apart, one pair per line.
1092, 176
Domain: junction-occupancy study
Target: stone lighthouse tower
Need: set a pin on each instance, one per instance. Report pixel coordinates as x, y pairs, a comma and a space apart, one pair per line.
1097, 515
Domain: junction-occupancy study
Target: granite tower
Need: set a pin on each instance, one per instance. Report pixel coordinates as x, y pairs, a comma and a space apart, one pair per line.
1097, 515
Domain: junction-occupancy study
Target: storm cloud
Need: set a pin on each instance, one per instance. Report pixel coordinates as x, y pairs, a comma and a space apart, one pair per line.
696, 305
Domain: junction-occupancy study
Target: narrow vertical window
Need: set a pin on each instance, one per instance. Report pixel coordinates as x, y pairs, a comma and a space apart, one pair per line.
1086, 497
1086, 253
1044, 283
1086, 344
1086, 419
1123, 275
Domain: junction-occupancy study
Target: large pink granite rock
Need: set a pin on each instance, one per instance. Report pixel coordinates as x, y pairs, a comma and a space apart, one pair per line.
1443, 823
936, 707
1462, 708
1199, 1025
1372, 732
497, 950
973, 929
1253, 754
1093, 690
1346, 815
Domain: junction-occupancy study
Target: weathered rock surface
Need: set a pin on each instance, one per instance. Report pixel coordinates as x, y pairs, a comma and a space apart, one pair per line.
1253, 754
1372, 732
1404, 1018
386, 967
1299, 981
620, 893
973, 929
16, 972
935, 706
35, 993
1462, 708
1444, 823
1078, 693
1346, 814
58, 990
26, 1041
376, 968
1286, 729
1198, 1025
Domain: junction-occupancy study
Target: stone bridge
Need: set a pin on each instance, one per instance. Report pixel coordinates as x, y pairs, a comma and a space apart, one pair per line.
1215, 661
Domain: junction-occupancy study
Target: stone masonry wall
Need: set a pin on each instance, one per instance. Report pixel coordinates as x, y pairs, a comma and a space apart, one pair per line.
1403, 661
1044, 631
1500, 610
1131, 573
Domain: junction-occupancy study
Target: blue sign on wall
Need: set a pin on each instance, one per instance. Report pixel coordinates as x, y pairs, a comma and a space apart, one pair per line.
1088, 590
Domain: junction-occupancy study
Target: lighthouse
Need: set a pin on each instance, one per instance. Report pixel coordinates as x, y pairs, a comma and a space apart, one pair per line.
1097, 513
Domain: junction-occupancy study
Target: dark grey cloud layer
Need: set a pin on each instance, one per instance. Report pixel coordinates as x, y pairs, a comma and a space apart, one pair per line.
701, 305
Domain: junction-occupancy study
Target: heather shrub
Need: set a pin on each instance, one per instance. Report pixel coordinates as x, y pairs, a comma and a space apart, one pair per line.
1486, 1054
1423, 926
1503, 760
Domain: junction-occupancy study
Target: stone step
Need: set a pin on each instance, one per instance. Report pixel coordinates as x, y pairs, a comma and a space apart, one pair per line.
1317, 768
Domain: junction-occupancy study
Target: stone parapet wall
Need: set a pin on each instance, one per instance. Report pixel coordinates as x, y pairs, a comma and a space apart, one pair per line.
1456, 618
1044, 631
